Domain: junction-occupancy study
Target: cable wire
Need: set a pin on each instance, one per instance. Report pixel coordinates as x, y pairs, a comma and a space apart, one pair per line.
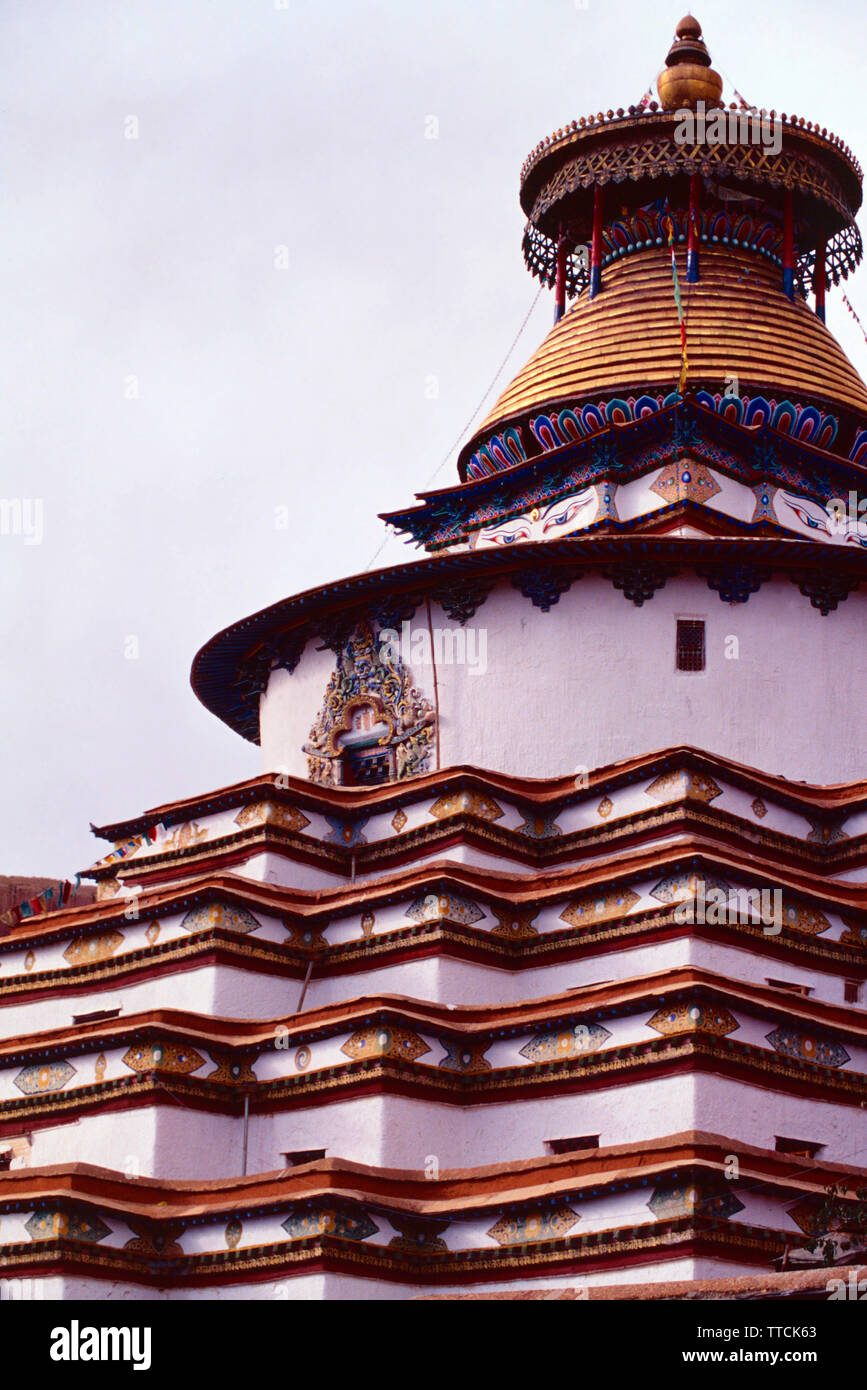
472, 418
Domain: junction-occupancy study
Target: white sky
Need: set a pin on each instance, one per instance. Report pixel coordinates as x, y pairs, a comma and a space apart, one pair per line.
261, 127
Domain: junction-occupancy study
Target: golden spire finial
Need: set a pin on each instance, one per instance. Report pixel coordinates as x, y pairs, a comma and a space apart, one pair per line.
688, 77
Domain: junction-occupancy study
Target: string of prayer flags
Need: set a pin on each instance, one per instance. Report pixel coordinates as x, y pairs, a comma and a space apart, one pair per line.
681, 317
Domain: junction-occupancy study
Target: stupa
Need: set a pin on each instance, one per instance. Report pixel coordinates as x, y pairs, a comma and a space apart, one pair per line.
534, 957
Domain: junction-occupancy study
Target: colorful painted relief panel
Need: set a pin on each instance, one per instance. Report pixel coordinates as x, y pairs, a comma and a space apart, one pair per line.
399, 1043
854, 935
272, 813
323, 1221
374, 725
417, 1234
576, 1040
816, 1216
764, 504
465, 1056
592, 908
808, 1047
170, 1057
185, 836
87, 950
801, 917
515, 923
468, 803
444, 907
43, 1077
685, 481
346, 830
826, 832
544, 1223
539, 825
678, 888
693, 1017
693, 1199
231, 1070
52, 1224
225, 915
154, 1238
307, 935
682, 784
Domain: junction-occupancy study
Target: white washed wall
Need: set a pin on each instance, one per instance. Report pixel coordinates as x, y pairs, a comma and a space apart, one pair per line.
402, 1132
594, 680
227, 992
319, 1287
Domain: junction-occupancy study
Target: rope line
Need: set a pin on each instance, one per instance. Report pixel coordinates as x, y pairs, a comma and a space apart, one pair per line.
472, 418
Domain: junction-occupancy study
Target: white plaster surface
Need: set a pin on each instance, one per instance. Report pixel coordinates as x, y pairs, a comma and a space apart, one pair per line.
344, 1287
406, 1132
594, 680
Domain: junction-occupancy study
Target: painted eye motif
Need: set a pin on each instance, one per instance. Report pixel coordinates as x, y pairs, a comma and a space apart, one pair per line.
561, 513
814, 523
509, 537
562, 518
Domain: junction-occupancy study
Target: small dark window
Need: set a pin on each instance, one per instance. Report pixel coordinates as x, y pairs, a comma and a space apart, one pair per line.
5, 1160
568, 1146
799, 1148
851, 991
297, 1156
791, 987
690, 644
96, 1016
364, 766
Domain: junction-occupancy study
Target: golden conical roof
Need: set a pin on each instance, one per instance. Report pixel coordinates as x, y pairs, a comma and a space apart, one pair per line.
627, 341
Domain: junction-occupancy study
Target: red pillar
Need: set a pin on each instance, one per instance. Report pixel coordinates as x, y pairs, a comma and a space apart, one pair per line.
596, 244
788, 246
820, 280
560, 291
692, 230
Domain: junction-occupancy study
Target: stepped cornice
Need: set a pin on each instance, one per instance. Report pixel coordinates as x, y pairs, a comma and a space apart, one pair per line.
530, 1177
511, 889
677, 1021
549, 792
585, 907
647, 991
630, 1205
685, 822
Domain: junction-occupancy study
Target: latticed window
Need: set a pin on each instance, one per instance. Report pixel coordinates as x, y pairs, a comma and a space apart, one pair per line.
690, 644
363, 766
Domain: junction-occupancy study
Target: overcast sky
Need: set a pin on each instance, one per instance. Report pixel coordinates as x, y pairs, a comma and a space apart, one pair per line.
170, 377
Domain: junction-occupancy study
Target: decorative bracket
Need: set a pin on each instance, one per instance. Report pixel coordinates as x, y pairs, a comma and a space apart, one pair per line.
285, 651
336, 629
543, 584
392, 611
461, 600
638, 580
735, 583
825, 589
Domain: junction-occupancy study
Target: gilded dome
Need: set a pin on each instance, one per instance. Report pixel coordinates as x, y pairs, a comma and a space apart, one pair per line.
739, 323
